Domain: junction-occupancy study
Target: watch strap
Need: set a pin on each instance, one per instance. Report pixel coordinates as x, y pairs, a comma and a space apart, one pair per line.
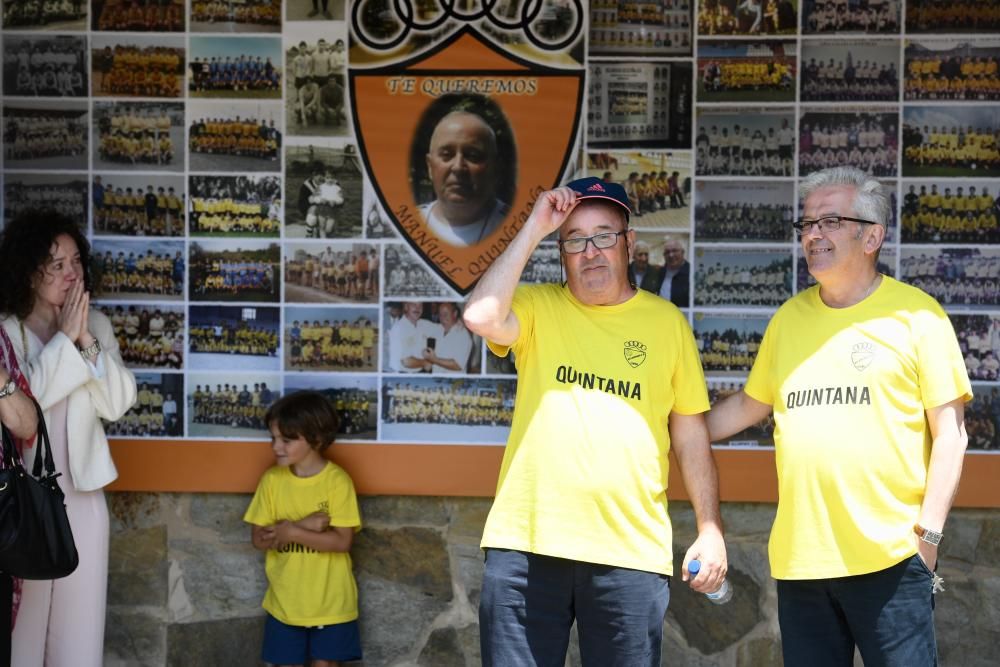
928, 535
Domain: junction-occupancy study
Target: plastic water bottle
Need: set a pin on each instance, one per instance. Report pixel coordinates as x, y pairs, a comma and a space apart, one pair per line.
721, 596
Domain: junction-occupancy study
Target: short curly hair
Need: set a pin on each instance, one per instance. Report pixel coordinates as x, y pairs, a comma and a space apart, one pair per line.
26, 246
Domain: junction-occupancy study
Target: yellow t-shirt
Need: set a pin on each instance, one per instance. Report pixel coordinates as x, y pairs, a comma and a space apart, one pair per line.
307, 587
850, 387
584, 474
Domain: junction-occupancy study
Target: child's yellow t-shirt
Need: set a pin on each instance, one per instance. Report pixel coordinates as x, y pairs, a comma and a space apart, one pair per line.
307, 587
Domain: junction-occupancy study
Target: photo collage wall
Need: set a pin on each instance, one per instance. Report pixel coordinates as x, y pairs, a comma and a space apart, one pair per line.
257, 229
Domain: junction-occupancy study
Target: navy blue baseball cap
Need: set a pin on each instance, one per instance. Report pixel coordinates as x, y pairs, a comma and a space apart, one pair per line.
594, 188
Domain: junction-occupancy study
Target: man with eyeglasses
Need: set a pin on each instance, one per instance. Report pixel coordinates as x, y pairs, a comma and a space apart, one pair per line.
609, 381
867, 384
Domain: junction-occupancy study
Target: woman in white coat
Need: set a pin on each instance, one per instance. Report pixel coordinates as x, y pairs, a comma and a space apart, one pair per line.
70, 356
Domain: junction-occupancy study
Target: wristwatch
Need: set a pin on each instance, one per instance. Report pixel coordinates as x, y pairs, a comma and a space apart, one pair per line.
927, 535
8, 388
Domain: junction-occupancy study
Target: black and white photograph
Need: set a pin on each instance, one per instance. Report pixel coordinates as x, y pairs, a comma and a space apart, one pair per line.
728, 342
544, 265
407, 277
150, 335
235, 136
804, 280
847, 16
325, 186
45, 135
850, 70
337, 272
982, 418
316, 71
139, 135
466, 410
645, 104
137, 65
951, 140
354, 397
158, 411
952, 70
235, 67
133, 205
331, 338
951, 16
945, 211
236, 206
979, 340
63, 193
137, 15
747, 17
757, 141
746, 71
54, 15
242, 16
429, 337
742, 276
138, 269
760, 434
744, 211
45, 65
230, 405
241, 337
958, 278
859, 136
639, 29
246, 270
378, 225
658, 184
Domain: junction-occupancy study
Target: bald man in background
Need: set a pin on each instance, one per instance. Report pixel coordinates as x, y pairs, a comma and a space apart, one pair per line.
462, 166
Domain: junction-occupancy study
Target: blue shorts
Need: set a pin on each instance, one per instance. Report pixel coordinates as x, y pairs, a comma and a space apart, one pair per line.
296, 645
529, 603
887, 614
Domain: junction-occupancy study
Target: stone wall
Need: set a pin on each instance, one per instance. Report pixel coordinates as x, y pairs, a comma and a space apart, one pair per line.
185, 585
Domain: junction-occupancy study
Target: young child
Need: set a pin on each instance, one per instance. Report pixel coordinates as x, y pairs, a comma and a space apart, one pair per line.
304, 515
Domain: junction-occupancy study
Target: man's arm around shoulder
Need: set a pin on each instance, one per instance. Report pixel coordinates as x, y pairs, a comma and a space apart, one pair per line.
733, 414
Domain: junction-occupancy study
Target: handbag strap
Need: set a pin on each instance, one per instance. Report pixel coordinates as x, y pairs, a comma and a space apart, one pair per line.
44, 446
43, 455
10, 458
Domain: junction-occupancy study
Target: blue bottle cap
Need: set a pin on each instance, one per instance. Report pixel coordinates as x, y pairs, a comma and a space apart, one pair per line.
694, 567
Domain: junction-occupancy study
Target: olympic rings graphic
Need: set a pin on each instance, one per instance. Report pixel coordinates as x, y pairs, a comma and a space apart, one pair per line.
405, 15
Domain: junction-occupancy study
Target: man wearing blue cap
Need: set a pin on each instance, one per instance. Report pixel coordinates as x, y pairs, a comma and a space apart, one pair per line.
608, 380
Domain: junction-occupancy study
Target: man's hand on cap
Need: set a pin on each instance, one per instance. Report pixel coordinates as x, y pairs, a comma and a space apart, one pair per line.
552, 209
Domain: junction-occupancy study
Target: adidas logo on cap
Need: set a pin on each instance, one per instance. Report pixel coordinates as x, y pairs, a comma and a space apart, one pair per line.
596, 187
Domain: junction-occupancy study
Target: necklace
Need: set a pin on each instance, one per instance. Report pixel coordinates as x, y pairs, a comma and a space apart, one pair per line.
871, 287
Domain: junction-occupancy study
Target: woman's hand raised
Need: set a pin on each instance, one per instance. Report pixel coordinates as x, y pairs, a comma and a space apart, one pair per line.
73, 314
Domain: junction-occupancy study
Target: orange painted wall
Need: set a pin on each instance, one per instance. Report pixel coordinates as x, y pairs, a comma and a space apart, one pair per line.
438, 470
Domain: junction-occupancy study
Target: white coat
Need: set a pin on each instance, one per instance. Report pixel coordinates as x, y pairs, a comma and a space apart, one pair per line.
58, 371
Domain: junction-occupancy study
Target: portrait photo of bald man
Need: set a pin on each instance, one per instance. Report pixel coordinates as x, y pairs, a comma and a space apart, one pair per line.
463, 166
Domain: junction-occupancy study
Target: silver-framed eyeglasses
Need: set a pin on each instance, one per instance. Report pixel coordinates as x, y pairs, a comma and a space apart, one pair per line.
828, 223
600, 241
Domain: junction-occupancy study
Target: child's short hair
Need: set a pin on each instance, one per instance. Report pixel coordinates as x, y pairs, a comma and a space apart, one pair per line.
306, 414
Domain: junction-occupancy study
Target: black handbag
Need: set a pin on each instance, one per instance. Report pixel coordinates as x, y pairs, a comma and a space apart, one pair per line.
36, 541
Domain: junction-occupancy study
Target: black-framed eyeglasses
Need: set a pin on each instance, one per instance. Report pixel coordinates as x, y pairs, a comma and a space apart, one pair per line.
828, 223
600, 241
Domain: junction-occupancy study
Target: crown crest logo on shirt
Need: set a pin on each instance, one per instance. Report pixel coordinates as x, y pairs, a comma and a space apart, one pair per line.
596, 187
635, 353
862, 355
